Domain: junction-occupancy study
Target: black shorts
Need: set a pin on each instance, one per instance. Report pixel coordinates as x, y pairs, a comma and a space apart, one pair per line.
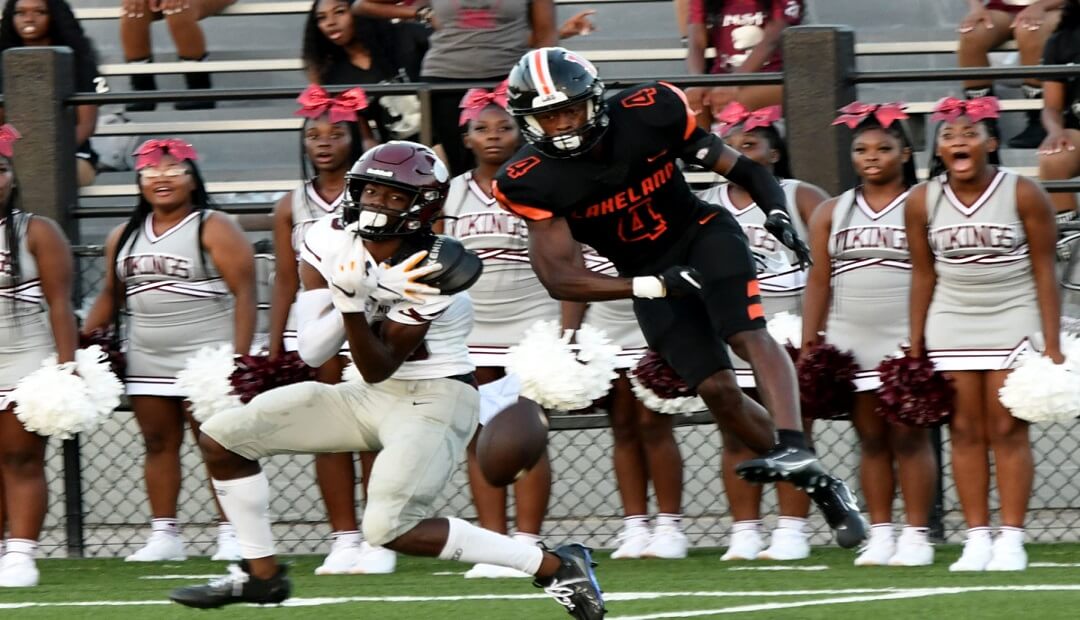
691, 332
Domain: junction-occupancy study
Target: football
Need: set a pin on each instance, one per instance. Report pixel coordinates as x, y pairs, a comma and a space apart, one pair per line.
512, 442
461, 268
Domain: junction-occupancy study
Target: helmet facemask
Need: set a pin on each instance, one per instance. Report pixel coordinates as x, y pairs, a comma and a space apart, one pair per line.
380, 222
576, 141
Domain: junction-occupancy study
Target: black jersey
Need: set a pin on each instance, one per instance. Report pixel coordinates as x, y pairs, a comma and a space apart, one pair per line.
627, 199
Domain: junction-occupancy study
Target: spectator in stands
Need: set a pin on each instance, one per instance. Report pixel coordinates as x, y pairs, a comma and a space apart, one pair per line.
756, 135
183, 17
50, 22
330, 142
857, 300
746, 36
183, 275
988, 25
1059, 154
977, 300
474, 43
507, 299
36, 321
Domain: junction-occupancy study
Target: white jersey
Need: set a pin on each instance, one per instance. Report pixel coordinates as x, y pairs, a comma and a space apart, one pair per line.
307, 207
443, 353
25, 334
508, 297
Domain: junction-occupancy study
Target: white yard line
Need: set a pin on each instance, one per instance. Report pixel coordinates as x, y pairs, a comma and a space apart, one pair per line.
168, 577
781, 568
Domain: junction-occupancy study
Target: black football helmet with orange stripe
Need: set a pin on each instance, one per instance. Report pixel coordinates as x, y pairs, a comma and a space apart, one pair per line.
551, 78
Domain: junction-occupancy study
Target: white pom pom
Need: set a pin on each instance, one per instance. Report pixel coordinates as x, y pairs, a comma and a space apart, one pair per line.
102, 386
350, 373
53, 401
786, 328
204, 381
558, 375
1038, 390
670, 406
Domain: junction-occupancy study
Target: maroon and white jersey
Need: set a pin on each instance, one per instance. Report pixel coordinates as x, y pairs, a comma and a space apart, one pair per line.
443, 353
740, 25
508, 297
25, 334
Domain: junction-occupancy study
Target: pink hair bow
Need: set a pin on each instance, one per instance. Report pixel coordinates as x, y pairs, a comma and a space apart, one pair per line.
476, 99
315, 101
151, 152
735, 114
853, 114
8, 136
950, 108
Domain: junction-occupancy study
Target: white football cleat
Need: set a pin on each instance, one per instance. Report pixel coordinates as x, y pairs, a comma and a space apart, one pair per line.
745, 545
18, 570
787, 544
912, 549
160, 547
1007, 555
879, 548
228, 547
667, 543
374, 560
342, 559
978, 551
493, 571
632, 543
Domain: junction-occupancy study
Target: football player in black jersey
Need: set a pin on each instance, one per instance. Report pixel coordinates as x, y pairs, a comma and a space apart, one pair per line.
603, 172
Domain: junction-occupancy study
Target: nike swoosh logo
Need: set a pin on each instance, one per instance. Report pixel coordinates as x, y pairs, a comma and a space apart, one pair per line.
423, 402
694, 283
656, 157
344, 292
705, 220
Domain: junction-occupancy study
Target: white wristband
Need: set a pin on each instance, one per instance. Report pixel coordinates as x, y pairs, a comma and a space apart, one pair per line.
648, 287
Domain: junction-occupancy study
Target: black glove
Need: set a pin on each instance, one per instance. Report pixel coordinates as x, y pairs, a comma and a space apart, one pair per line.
779, 225
681, 281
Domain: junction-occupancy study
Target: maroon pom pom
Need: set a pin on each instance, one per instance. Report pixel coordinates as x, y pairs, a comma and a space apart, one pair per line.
256, 374
826, 382
654, 373
105, 337
913, 393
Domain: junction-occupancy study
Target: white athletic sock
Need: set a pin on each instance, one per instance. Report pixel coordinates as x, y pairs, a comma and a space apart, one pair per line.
979, 532
919, 533
474, 545
24, 546
1013, 535
352, 537
669, 519
634, 522
225, 528
791, 523
166, 526
246, 502
527, 538
746, 526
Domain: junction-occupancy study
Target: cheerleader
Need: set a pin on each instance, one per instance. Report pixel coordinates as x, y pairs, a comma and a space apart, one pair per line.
183, 275
331, 141
507, 299
755, 135
36, 321
857, 295
644, 442
982, 256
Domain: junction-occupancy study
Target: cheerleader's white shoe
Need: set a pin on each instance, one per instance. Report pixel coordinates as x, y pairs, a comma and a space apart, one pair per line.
18, 570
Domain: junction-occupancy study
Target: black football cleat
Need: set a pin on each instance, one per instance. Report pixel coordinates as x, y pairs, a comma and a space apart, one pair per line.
574, 585
236, 587
802, 469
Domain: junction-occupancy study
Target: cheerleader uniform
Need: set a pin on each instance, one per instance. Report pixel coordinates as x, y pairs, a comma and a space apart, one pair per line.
615, 318
307, 208
175, 306
871, 281
25, 334
984, 310
781, 279
508, 297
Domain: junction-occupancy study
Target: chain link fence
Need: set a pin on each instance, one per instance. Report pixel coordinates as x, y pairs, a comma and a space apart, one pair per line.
584, 505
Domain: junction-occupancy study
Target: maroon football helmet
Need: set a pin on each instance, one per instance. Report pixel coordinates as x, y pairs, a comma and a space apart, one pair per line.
407, 166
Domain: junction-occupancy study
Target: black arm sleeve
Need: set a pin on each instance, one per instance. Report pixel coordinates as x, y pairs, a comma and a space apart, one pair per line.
760, 183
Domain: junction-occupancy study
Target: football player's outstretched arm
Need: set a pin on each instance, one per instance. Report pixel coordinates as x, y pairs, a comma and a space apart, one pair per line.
556, 258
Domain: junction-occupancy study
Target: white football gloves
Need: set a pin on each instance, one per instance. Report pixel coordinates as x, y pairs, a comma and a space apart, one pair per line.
394, 283
352, 278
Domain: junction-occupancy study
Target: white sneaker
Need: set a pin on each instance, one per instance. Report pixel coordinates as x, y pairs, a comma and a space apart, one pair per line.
228, 548
978, 550
342, 559
912, 549
18, 570
374, 561
160, 547
787, 544
745, 545
632, 543
879, 548
1007, 556
667, 543
493, 571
